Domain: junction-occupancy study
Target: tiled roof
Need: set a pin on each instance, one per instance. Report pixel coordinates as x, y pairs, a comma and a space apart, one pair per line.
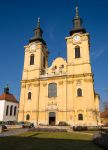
104, 114
8, 97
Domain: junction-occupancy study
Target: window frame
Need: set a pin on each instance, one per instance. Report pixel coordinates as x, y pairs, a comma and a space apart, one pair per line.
80, 117
52, 91
15, 110
11, 110
27, 117
7, 110
29, 95
44, 61
77, 52
32, 56
79, 92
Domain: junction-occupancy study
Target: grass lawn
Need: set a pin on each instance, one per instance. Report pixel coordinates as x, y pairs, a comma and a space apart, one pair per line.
48, 141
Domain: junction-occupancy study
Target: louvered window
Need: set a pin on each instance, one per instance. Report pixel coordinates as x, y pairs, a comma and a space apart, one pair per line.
44, 62
32, 59
77, 52
29, 95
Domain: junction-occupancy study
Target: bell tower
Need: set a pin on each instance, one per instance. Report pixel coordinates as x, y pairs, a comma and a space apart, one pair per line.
85, 100
35, 63
36, 55
78, 47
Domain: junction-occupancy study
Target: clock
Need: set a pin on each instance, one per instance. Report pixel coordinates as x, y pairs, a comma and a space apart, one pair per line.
33, 47
76, 38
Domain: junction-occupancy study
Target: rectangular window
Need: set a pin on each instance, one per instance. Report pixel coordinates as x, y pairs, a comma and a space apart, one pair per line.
52, 90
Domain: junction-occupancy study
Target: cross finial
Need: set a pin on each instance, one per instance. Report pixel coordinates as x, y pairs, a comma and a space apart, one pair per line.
77, 11
38, 19
7, 86
6, 89
38, 24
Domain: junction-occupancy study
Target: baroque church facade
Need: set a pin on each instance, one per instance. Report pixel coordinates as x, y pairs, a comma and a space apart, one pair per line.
63, 92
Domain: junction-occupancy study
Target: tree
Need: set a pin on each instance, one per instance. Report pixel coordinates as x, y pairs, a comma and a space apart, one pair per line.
96, 113
106, 105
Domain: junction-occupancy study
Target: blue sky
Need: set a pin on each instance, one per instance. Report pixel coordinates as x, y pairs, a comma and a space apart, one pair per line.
18, 18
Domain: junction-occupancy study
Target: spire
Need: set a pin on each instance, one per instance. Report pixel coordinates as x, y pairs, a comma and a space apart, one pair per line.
77, 24
38, 24
6, 89
37, 34
77, 13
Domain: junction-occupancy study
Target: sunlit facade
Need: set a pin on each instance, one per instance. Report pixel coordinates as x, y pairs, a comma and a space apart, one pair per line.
63, 92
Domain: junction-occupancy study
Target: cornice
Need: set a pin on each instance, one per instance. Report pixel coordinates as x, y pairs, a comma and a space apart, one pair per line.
58, 78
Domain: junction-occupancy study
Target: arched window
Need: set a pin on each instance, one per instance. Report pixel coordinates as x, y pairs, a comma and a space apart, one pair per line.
44, 61
15, 111
79, 92
11, 110
32, 59
52, 90
27, 117
29, 95
77, 52
7, 110
80, 117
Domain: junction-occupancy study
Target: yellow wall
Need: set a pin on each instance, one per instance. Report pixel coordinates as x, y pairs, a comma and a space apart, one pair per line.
75, 74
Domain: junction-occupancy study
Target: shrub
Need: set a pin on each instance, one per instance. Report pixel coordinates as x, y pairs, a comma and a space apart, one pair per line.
42, 124
94, 128
63, 123
80, 128
101, 140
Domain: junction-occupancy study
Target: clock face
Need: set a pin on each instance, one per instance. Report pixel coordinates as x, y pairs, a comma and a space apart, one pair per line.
33, 47
76, 38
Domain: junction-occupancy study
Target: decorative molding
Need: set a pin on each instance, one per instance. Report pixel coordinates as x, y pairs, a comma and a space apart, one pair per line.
30, 80
70, 110
36, 85
28, 111
76, 43
84, 38
81, 75
27, 49
73, 64
23, 86
78, 83
34, 111
80, 110
52, 103
88, 80
60, 82
44, 84
69, 82
29, 86
20, 111
32, 51
89, 110
69, 41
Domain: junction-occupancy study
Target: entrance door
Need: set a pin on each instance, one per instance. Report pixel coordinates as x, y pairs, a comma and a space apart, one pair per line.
52, 118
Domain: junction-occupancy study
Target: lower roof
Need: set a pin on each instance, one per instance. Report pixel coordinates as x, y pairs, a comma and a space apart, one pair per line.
8, 97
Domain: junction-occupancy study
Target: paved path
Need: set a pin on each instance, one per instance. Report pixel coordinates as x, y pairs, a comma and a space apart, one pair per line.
13, 132
84, 133
22, 130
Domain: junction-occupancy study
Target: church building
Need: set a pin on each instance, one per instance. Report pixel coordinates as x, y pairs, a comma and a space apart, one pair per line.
63, 92
8, 107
